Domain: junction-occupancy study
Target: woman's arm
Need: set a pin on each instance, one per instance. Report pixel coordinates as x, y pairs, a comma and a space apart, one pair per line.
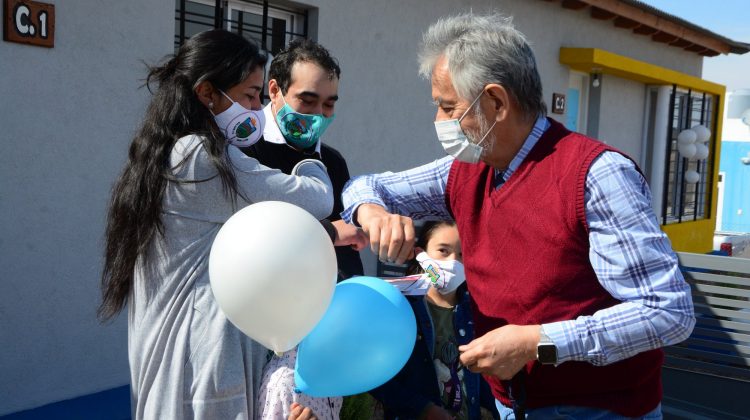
308, 187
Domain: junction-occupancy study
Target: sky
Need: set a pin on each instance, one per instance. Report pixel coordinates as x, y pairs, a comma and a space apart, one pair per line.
729, 18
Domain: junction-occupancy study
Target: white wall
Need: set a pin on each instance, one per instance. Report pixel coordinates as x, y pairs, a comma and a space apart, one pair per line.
734, 129
621, 114
66, 119
384, 117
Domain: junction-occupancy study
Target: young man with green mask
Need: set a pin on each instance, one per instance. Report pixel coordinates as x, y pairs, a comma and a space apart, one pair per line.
303, 83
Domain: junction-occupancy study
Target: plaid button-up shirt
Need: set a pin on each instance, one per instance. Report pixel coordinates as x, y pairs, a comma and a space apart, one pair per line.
631, 256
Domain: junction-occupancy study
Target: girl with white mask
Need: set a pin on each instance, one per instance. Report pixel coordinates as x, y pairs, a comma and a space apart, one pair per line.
433, 384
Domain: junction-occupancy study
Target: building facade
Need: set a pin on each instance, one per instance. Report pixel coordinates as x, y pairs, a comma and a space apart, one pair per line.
626, 73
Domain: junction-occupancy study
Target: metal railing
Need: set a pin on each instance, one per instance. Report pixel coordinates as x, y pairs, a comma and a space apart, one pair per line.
271, 25
720, 342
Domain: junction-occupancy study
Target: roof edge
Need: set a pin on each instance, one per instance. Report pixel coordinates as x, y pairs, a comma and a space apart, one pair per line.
736, 47
660, 26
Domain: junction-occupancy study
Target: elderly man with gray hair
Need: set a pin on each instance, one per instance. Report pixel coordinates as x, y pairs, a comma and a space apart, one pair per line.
575, 288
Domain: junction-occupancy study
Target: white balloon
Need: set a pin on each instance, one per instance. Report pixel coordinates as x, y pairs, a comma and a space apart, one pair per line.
701, 151
687, 150
687, 136
273, 271
691, 177
702, 132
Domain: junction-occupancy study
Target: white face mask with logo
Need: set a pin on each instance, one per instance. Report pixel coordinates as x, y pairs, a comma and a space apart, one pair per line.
444, 275
242, 127
454, 140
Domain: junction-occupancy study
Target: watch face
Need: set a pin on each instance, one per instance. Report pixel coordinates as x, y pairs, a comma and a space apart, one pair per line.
547, 354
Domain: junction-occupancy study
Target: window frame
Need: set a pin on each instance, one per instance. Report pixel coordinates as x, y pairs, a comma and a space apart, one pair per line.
296, 20
676, 196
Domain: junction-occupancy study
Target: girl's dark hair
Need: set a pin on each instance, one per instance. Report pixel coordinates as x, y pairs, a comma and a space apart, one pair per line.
222, 58
427, 231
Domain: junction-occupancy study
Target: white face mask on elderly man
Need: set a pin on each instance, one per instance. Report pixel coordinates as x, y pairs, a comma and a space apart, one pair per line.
454, 140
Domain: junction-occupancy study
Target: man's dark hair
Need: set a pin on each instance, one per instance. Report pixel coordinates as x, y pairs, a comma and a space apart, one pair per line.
301, 50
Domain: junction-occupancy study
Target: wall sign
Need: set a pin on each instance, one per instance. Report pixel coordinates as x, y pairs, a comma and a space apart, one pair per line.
558, 103
29, 22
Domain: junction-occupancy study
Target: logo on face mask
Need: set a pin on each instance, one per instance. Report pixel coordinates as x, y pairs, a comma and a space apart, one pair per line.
433, 272
247, 128
301, 131
444, 275
296, 127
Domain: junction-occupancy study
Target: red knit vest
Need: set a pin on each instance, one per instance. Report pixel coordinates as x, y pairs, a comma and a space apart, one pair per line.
526, 256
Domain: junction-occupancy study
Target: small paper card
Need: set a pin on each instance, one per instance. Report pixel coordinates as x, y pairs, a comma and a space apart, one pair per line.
416, 285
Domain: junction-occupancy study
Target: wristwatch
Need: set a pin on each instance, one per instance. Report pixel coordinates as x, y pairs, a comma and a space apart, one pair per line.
546, 351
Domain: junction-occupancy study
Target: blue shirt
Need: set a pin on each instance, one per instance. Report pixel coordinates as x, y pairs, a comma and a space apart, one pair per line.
631, 256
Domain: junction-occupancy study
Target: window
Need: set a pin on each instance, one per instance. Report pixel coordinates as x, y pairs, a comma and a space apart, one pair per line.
270, 26
684, 201
282, 25
577, 102
192, 17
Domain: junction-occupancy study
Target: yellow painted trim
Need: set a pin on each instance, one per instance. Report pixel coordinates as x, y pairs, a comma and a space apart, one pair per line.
594, 60
715, 159
694, 236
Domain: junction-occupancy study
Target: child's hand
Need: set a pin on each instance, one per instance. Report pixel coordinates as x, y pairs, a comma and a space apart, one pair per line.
298, 412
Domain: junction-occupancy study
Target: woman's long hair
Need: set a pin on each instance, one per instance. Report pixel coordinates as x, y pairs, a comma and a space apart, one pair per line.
222, 58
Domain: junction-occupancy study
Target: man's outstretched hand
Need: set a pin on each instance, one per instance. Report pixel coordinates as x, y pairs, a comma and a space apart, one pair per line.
391, 236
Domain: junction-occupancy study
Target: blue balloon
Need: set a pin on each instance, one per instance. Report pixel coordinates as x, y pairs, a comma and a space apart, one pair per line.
364, 339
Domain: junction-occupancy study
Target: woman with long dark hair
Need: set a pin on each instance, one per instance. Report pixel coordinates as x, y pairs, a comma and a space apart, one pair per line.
181, 182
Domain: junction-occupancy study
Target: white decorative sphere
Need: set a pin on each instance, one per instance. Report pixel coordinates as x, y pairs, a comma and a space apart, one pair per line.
691, 177
701, 151
687, 150
703, 133
687, 136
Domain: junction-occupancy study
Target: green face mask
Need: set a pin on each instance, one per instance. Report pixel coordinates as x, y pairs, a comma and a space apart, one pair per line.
301, 131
